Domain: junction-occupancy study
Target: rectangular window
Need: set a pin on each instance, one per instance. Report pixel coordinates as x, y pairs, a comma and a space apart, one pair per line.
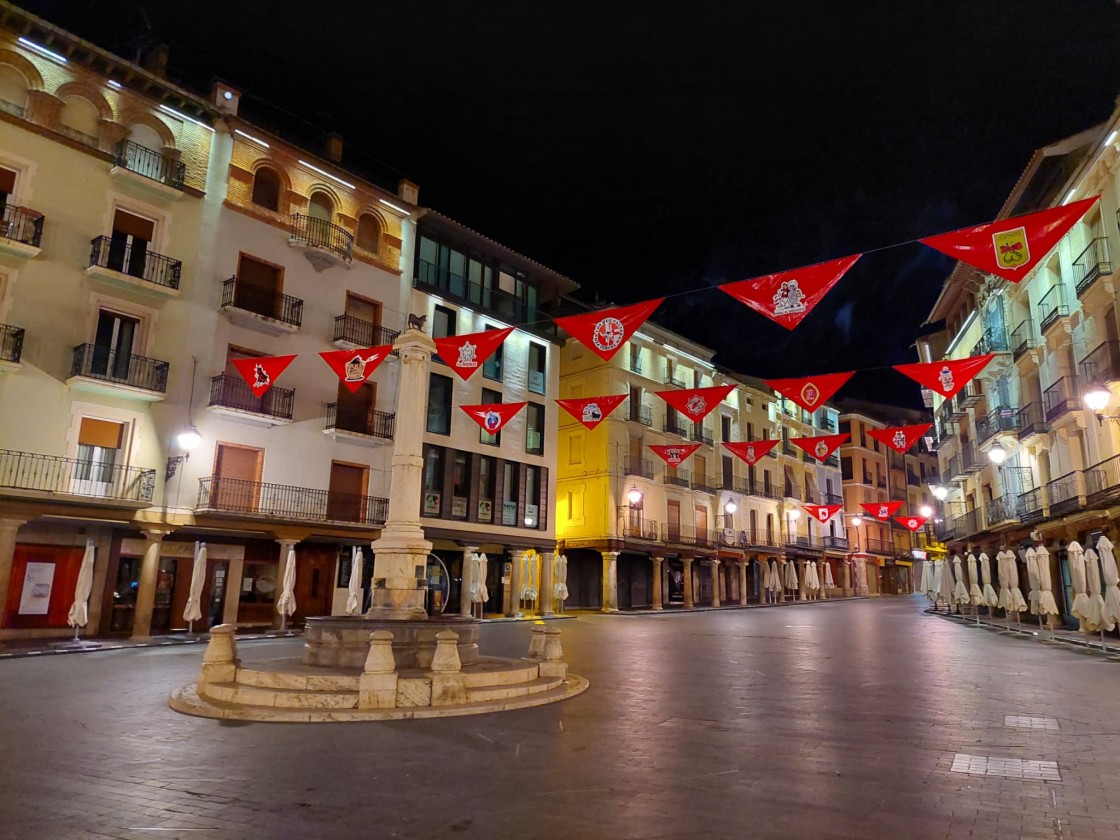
492, 367
846, 468
510, 477
534, 429
490, 398
443, 325
538, 357
575, 450
259, 287
439, 404
532, 497
725, 427
128, 245
433, 480
486, 474
635, 358
346, 496
99, 450
460, 485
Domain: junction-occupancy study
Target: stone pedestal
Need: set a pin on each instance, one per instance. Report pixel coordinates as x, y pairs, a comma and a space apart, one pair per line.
610, 581
219, 663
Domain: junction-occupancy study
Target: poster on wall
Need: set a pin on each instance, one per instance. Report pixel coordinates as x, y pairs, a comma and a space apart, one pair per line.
38, 581
431, 503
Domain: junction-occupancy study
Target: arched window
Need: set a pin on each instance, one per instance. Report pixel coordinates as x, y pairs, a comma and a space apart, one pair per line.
369, 233
13, 89
146, 136
321, 207
79, 119
266, 189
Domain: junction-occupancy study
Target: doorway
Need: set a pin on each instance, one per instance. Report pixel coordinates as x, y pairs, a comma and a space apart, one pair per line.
113, 345
673, 520
129, 243
347, 494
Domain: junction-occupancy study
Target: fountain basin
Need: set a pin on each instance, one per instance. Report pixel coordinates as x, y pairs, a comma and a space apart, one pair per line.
343, 641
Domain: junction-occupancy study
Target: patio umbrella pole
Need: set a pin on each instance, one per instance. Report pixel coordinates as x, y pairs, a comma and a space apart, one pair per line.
190, 627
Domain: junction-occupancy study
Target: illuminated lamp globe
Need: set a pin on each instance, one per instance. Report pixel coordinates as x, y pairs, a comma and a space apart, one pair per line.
189, 438
634, 496
857, 521
730, 507
794, 514
997, 454
926, 511
939, 492
1096, 398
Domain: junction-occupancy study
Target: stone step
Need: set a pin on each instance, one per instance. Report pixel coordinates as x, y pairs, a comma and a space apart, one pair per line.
495, 672
281, 698
506, 692
297, 681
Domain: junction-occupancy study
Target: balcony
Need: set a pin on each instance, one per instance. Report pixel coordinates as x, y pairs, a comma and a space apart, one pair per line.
636, 365
992, 341
134, 268
701, 435
281, 501
645, 530
971, 460
641, 414
831, 499
1031, 420
640, 467
1102, 483
11, 348
507, 306
1003, 419
702, 485
327, 244
1052, 308
1065, 494
102, 370
675, 427
674, 379
966, 524
800, 543
745, 487
953, 410
351, 332
21, 231
1002, 510
969, 395
1030, 507
1060, 398
148, 169
231, 395
363, 425
1102, 365
1092, 263
683, 534
261, 309
1022, 339
792, 491
953, 469
25, 473
678, 478
832, 543
877, 546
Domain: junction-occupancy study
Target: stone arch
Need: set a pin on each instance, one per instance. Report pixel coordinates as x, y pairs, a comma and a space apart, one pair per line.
363, 236
131, 118
24, 67
262, 193
329, 194
104, 109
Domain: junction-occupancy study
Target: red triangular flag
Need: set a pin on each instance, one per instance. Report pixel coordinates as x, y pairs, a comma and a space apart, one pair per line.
823, 513
881, 510
810, 392
911, 522
820, 447
608, 329
1011, 248
492, 417
696, 403
354, 367
591, 411
674, 456
948, 377
465, 354
900, 438
261, 372
751, 451
788, 296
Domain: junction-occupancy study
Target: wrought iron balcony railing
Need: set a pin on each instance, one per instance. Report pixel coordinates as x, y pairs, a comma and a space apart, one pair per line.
675, 427
1004, 508
96, 362
992, 341
1030, 506
1064, 493
878, 546
641, 414
701, 435
230, 391
1091, 263
11, 343
644, 530
150, 164
1102, 364
21, 224
1001, 419
1102, 482
640, 467
840, 543
1060, 398
679, 478
283, 308
73, 477
1052, 307
319, 233
233, 495
1022, 339
362, 333
362, 422
135, 262
673, 379
1031, 420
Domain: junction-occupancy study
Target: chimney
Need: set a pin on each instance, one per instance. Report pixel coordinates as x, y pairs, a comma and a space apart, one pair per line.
225, 98
154, 60
334, 146
408, 191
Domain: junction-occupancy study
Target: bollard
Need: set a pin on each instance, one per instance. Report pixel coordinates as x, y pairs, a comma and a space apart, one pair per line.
446, 657
219, 662
536, 642
377, 685
448, 685
552, 664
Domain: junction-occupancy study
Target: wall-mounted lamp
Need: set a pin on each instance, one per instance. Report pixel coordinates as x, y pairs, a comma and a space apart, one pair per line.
997, 454
940, 492
857, 520
1096, 399
634, 498
926, 511
187, 440
730, 507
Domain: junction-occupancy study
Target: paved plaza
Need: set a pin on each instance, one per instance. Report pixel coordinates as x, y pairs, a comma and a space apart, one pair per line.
863, 719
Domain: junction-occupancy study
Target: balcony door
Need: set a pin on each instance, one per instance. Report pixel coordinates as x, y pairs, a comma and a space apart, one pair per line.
259, 287
700, 515
363, 319
355, 410
100, 444
128, 245
237, 475
673, 520
113, 345
347, 495
236, 393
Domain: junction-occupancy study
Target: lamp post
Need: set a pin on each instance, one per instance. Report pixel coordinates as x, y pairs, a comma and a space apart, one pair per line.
187, 440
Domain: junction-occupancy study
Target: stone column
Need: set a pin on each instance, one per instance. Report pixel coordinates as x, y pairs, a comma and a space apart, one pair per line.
688, 602
546, 593
610, 581
465, 604
8, 530
846, 577
802, 592
713, 564
233, 591
285, 545
401, 554
860, 571
743, 582
146, 593
656, 597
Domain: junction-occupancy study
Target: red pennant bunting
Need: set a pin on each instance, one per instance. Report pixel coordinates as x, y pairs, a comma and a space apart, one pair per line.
354, 367
492, 417
881, 510
820, 447
810, 392
591, 411
911, 522
608, 329
261, 372
465, 354
823, 513
674, 456
1011, 248
948, 377
696, 403
788, 296
751, 451
900, 438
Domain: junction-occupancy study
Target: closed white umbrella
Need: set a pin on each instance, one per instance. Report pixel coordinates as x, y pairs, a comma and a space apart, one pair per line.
990, 597
559, 579
530, 572
1095, 620
975, 593
791, 575
960, 591
935, 579
927, 578
829, 583
78, 616
286, 606
764, 571
354, 592
192, 612
1018, 601
1046, 603
775, 577
1080, 606
946, 591
1111, 576
479, 593
1035, 595
812, 577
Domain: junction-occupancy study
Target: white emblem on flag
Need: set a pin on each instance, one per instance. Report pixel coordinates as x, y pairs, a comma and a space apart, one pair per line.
899, 440
750, 454
883, 512
468, 356
821, 449
946, 379
491, 420
608, 334
592, 413
912, 524
261, 379
789, 299
696, 405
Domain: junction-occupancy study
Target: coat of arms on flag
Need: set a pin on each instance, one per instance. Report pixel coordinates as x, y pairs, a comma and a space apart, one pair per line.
1011, 247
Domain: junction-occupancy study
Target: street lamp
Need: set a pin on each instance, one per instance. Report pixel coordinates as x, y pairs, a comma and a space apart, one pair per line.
926, 511
857, 520
730, 507
1096, 399
997, 454
940, 492
634, 497
187, 440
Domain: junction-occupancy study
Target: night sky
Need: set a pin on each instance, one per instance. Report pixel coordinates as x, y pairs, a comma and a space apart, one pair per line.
682, 147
